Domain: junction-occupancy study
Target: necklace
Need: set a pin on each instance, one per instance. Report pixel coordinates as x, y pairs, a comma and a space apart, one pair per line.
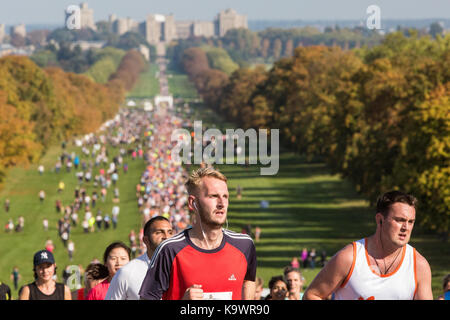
386, 270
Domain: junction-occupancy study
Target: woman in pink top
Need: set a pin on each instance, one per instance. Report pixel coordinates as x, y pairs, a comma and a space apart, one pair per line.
116, 255
295, 263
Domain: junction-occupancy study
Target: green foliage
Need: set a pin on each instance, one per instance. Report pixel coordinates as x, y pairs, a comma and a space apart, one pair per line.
219, 59
129, 40
44, 58
107, 62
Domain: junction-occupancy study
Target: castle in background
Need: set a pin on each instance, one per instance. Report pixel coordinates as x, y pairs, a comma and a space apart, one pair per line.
159, 28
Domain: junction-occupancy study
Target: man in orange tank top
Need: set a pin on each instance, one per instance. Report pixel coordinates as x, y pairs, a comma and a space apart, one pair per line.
378, 265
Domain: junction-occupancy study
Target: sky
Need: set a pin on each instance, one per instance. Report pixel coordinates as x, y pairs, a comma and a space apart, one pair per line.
52, 11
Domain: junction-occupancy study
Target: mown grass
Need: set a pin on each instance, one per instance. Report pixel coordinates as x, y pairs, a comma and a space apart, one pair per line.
180, 86
147, 85
22, 186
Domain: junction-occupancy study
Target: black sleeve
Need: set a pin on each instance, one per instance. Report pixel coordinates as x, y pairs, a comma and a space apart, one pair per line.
251, 263
157, 279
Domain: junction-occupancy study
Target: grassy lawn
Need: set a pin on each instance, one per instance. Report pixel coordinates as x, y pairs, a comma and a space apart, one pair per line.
147, 86
22, 186
180, 86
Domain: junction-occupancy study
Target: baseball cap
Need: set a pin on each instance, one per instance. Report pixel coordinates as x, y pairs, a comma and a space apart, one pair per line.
43, 256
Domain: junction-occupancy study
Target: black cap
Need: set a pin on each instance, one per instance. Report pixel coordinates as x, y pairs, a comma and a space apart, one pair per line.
43, 256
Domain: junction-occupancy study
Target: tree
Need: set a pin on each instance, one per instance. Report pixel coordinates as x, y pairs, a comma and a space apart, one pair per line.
436, 29
265, 48
289, 48
219, 59
236, 98
277, 47
194, 61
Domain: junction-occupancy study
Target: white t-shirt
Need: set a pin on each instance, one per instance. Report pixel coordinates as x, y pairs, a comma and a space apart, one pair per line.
127, 281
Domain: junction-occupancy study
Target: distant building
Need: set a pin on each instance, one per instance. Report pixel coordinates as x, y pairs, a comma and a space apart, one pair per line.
7, 49
203, 29
151, 29
187, 29
183, 29
229, 19
169, 30
2, 32
19, 30
123, 25
86, 45
158, 28
87, 17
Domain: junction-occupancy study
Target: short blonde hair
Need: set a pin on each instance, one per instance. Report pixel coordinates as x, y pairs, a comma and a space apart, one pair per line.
195, 179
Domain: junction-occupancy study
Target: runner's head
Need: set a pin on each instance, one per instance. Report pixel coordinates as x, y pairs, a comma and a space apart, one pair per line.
44, 266
278, 288
385, 202
156, 230
208, 196
396, 214
294, 279
116, 255
95, 272
194, 183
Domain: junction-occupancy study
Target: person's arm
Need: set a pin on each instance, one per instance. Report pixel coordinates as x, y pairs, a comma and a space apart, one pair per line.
24, 293
248, 285
248, 290
332, 275
157, 279
67, 293
118, 287
423, 274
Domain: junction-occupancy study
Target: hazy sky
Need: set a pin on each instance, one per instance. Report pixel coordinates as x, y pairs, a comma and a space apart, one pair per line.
52, 11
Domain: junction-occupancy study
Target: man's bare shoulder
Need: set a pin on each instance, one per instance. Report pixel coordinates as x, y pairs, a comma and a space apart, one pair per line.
421, 263
345, 255
340, 264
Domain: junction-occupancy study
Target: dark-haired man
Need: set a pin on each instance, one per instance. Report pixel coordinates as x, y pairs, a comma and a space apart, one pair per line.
382, 266
128, 280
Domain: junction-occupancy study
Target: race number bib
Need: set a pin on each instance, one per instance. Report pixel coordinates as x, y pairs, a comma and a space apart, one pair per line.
228, 295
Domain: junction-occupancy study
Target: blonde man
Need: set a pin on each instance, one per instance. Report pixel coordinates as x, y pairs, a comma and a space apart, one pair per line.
205, 261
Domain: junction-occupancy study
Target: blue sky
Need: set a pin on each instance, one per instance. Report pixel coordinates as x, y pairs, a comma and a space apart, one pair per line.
52, 11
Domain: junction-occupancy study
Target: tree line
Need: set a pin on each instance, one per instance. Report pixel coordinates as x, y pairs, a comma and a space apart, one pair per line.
379, 116
269, 45
41, 106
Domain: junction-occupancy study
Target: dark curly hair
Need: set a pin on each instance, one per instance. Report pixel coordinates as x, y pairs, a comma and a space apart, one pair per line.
389, 198
96, 271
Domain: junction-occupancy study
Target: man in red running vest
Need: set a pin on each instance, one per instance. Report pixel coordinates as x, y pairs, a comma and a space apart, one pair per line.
205, 261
